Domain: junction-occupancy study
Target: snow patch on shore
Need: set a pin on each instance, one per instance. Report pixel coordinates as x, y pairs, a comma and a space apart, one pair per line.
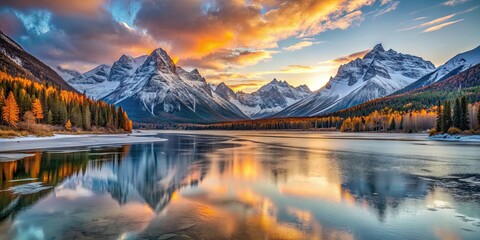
456, 138
64, 141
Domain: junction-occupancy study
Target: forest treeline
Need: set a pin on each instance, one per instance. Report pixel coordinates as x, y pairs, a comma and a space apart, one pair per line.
27, 105
465, 116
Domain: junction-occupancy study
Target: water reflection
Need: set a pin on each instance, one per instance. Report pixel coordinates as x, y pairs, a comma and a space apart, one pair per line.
221, 187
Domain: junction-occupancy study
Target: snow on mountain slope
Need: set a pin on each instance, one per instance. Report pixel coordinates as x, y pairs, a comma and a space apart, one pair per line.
125, 67
269, 99
457, 64
378, 74
103, 79
160, 90
67, 74
94, 83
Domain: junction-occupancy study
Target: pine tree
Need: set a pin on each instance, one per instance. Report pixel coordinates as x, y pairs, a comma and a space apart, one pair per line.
76, 116
121, 118
447, 116
439, 117
457, 112
49, 117
10, 112
464, 120
86, 117
37, 109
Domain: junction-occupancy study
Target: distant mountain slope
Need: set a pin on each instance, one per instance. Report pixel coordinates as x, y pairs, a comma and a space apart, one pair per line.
459, 63
67, 74
378, 74
465, 83
269, 99
103, 79
17, 62
159, 90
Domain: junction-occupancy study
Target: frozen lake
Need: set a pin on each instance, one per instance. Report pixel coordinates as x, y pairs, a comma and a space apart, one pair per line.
246, 185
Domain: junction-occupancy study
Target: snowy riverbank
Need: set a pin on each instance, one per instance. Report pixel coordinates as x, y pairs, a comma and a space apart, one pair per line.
456, 138
61, 141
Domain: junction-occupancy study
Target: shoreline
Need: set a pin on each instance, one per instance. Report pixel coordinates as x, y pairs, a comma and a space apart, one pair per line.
62, 141
8, 145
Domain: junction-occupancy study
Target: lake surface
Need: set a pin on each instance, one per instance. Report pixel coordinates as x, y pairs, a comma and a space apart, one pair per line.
246, 185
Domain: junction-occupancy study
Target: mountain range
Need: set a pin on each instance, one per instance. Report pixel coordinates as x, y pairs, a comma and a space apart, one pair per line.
153, 89
161, 90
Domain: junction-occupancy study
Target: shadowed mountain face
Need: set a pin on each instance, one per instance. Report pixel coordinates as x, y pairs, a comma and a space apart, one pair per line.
378, 74
17, 62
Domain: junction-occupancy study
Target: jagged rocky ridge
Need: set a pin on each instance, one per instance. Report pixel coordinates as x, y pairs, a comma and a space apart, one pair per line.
378, 74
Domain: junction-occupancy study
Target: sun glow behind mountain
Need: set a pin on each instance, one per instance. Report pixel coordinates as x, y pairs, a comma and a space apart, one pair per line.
244, 43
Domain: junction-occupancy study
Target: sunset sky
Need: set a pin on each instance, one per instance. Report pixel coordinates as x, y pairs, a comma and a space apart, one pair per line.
244, 43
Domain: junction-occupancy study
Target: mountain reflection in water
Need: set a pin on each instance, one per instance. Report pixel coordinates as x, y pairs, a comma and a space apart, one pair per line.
234, 187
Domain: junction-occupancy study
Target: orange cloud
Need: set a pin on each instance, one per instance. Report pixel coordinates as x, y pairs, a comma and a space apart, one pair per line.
224, 58
351, 57
440, 26
214, 33
300, 45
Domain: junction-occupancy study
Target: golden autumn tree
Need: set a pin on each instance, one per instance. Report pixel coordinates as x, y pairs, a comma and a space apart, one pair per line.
127, 123
68, 125
37, 109
10, 111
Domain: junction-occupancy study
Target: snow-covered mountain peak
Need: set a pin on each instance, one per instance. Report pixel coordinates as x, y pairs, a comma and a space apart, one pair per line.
225, 91
304, 88
125, 59
99, 73
378, 48
467, 59
161, 60
196, 76
124, 67
377, 74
